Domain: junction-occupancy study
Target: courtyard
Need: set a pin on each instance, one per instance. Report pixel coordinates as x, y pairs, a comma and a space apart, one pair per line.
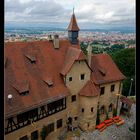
112, 132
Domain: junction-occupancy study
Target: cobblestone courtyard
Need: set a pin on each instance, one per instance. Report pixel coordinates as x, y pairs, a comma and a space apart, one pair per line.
112, 132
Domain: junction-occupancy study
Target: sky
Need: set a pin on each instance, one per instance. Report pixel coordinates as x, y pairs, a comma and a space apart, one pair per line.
89, 13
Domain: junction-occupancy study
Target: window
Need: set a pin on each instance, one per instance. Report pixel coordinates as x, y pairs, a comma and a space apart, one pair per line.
82, 76
24, 138
32, 114
75, 118
112, 88
92, 109
25, 93
55, 105
102, 110
73, 98
34, 135
82, 109
102, 90
110, 108
50, 128
70, 120
59, 123
31, 58
70, 79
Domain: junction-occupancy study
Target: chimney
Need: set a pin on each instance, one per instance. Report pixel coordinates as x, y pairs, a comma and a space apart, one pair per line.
89, 54
56, 41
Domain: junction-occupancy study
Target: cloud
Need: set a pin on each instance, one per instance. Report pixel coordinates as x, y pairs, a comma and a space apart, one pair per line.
87, 11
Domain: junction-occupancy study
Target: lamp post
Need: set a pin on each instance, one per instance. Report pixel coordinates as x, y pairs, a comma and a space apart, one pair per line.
130, 87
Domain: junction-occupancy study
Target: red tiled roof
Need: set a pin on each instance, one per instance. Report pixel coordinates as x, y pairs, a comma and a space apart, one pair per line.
104, 69
49, 62
126, 100
90, 90
72, 55
73, 24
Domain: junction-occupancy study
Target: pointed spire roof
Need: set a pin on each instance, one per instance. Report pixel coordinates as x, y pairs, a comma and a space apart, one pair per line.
73, 23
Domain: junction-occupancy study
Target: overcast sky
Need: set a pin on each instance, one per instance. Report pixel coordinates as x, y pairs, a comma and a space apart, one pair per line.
89, 13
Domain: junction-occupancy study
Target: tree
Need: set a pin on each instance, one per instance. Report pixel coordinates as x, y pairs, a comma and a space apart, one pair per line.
84, 47
43, 132
125, 60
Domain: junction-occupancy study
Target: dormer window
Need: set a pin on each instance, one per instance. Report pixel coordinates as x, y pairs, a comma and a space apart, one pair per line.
82, 76
49, 82
25, 92
31, 58
22, 87
102, 71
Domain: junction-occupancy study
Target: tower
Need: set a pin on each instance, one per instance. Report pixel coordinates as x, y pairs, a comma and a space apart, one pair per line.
73, 30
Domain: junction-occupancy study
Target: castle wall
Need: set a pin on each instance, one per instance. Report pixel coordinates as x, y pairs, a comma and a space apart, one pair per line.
78, 68
109, 97
87, 120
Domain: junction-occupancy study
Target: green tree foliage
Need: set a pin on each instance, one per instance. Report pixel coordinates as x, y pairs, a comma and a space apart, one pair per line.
118, 46
125, 60
130, 42
84, 47
43, 133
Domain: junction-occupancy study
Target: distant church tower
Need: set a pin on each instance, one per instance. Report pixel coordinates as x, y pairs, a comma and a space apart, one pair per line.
73, 30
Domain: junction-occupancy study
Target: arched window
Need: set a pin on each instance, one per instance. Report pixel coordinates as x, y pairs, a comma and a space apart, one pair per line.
102, 110
110, 108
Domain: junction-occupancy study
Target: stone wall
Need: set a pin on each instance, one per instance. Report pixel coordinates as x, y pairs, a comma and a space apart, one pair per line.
78, 68
87, 119
109, 97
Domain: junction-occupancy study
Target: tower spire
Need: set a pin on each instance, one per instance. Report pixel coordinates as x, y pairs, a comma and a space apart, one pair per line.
73, 29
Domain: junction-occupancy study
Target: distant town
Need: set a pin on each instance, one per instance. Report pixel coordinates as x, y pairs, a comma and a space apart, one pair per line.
103, 38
